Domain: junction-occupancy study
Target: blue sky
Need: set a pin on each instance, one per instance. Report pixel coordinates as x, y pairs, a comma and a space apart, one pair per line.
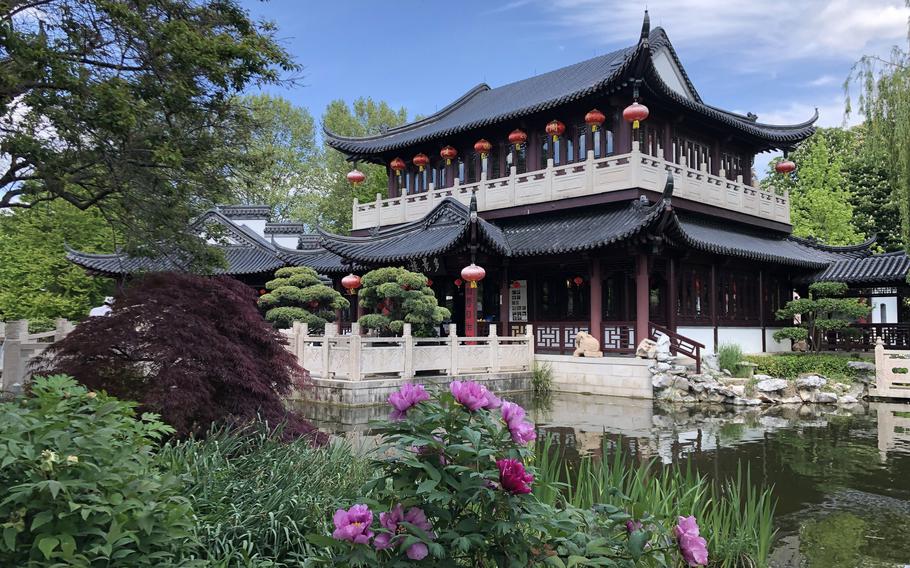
777, 58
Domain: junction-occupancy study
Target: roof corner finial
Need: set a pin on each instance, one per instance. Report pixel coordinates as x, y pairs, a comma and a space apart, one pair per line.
668, 190
473, 207
645, 28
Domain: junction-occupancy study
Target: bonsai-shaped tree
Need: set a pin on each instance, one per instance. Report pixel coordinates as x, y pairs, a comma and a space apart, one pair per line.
397, 296
193, 349
297, 294
824, 311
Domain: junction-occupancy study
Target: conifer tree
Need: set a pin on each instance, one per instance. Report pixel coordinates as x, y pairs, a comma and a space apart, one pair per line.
397, 296
297, 294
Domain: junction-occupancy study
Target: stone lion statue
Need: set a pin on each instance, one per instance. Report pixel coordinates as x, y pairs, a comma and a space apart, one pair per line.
586, 345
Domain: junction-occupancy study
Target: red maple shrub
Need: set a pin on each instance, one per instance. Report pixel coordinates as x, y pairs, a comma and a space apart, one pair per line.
193, 349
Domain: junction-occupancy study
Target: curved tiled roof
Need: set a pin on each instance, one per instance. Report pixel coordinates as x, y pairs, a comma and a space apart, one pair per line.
888, 268
483, 105
239, 260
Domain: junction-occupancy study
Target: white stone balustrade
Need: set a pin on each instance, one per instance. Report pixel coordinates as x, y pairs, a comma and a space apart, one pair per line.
356, 357
589, 177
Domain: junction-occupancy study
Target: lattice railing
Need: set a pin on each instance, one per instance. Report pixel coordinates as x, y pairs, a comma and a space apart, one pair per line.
863, 336
679, 344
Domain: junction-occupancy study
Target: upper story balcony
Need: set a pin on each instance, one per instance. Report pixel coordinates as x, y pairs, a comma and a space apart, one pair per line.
592, 176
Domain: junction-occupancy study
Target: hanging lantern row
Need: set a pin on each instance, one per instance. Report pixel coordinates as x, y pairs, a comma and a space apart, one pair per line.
421, 160
518, 137
483, 148
635, 113
555, 129
350, 283
449, 154
356, 177
785, 166
397, 166
473, 274
595, 119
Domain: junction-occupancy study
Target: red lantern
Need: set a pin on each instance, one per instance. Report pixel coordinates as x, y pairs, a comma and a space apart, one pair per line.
483, 148
784, 167
356, 177
578, 280
351, 282
397, 165
263, 291
449, 154
473, 274
458, 282
518, 137
516, 284
429, 282
595, 118
421, 160
314, 304
555, 129
635, 113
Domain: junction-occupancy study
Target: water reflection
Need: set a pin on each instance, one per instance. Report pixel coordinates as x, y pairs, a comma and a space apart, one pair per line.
841, 474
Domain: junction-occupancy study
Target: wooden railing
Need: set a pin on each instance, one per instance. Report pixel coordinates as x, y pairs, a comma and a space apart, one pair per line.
618, 337
679, 344
863, 337
590, 176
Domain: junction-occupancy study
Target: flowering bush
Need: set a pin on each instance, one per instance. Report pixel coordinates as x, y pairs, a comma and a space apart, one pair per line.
456, 487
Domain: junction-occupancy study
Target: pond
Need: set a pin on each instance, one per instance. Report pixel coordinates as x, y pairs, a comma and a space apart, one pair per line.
841, 475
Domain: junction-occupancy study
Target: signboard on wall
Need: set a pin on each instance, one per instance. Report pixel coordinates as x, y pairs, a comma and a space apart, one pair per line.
518, 301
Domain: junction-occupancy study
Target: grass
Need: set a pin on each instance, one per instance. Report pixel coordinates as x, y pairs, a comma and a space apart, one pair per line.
729, 357
542, 379
256, 497
736, 517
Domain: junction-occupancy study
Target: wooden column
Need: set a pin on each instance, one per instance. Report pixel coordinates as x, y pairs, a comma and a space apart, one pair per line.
470, 310
596, 301
715, 158
504, 287
393, 186
668, 141
642, 298
761, 308
747, 169
714, 302
623, 135
672, 294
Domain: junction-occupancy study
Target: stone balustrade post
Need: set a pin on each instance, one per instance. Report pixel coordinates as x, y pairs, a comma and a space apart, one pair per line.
635, 164
13, 360
879, 363
407, 344
453, 350
355, 222
355, 352
495, 361
327, 336
302, 334
62, 328
529, 335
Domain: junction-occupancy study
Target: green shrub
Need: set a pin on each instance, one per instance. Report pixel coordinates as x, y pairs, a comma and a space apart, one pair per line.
542, 379
729, 357
393, 297
79, 484
791, 365
297, 294
256, 497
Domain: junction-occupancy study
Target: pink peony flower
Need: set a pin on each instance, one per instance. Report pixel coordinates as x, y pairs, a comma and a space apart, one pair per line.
632, 526
473, 396
406, 397
692, 546
353, 525
513, 477
514, 417
392, 520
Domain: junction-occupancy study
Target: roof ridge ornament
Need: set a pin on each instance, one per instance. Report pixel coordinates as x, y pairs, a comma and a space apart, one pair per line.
668, 191
645, 29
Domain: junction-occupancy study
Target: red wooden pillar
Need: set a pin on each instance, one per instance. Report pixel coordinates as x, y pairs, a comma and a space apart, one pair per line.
470, 310
714, 302
668, 141
504, 300
672, 294
393, 182
623, 136
642, 298
596, 301
761, 309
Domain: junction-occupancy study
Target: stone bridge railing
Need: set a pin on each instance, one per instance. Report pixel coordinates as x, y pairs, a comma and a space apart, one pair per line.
583, 178
356, 357
892, 372
18, 347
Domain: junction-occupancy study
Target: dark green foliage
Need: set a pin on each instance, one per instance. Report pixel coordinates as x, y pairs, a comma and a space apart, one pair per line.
139, 97
256, 497
824, 311
79, 484
792, 365
397, 296
297, 294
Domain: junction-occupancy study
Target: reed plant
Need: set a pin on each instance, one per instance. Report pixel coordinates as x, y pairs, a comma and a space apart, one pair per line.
255, 496
735, 515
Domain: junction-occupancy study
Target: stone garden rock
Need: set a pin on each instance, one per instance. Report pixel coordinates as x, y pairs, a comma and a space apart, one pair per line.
647, 349
709, 362
661, 381
680, 383
746, 401
738, 390
800, 346
663, 367
664, 357
663, 344
862, 366
760, 377
679, 370
701, 378
825, 398
791, 400
840, 387
771, 385
811, 382
847, 399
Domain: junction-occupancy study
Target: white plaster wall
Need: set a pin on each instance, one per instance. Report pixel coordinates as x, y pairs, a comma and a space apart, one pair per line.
611, 376
286, 241
890, 303
772, 346
701, 334
257, 225
748, 338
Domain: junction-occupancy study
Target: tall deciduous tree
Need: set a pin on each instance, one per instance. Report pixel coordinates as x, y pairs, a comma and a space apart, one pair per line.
820, 199
281, 165
365, 117
127, 106
884, 103
36, 281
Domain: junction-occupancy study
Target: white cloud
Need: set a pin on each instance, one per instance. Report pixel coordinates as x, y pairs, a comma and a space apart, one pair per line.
824, 81
754, 34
